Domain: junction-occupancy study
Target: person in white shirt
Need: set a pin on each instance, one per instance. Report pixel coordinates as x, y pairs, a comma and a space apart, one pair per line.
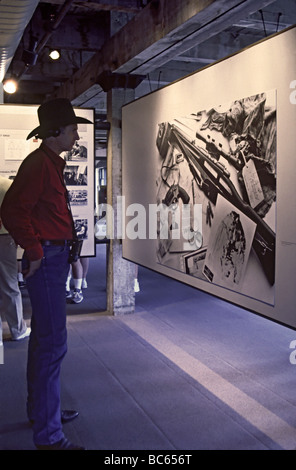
10, 296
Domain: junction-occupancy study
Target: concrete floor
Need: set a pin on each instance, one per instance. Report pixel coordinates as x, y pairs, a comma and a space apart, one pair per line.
187, 371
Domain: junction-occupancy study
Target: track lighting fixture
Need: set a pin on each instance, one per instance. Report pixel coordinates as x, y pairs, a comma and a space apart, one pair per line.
29, 56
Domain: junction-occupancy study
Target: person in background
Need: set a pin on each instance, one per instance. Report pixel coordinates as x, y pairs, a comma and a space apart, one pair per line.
36, 212
10, 295
85, 266
136, 281
20, 276
77, 274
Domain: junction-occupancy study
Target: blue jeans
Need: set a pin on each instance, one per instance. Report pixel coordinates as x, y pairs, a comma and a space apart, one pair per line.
47, 344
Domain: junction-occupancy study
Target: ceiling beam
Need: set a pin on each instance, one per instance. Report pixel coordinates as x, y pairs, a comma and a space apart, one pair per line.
91, 6
212, 20
128, 7
161, 31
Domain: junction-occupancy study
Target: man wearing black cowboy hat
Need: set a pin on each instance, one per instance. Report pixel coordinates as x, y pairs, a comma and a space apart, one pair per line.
36, 214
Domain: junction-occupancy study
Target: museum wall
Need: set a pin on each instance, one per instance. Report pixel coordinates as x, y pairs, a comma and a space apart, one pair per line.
210, 161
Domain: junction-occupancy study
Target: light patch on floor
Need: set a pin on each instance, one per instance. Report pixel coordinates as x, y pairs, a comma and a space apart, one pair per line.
252, 411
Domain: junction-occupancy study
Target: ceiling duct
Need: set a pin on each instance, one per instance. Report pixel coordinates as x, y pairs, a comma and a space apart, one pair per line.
14, 17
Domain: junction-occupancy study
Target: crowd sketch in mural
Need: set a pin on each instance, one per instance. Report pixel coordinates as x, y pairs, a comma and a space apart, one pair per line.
223, 158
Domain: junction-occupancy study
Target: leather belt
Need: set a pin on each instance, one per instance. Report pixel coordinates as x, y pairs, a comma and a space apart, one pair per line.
56, 242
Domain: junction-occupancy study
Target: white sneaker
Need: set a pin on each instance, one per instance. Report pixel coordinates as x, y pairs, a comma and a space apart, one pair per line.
77, 296
68, 294
136, 285
24, 335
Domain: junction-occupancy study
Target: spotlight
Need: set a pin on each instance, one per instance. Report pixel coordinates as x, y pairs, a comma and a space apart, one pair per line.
10, 86
54, 54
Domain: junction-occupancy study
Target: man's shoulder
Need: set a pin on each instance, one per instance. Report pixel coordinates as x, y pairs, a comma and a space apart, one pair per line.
36, 158
33, 166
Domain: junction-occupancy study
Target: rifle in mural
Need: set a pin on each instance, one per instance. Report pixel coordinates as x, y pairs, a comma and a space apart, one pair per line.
212, 177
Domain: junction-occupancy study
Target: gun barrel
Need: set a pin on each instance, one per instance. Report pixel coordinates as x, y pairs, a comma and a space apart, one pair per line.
215, 149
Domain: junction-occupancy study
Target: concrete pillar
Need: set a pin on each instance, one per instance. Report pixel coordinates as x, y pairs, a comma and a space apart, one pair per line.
120, 272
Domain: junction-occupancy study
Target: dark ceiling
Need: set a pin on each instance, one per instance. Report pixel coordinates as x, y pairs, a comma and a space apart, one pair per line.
80, 28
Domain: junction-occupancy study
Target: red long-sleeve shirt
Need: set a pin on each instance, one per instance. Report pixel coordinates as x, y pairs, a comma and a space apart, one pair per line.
35, 207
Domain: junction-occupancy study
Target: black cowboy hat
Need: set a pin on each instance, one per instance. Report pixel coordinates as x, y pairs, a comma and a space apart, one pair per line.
55, 114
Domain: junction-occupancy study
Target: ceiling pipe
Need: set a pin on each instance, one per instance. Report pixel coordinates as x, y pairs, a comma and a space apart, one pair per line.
14, 18
61, 15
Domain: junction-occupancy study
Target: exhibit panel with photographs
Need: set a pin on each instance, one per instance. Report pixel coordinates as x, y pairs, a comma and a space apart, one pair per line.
15, 124
79, 179
221, 140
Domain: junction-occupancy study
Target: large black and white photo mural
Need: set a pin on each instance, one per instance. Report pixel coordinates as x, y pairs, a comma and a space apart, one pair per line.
222, 160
